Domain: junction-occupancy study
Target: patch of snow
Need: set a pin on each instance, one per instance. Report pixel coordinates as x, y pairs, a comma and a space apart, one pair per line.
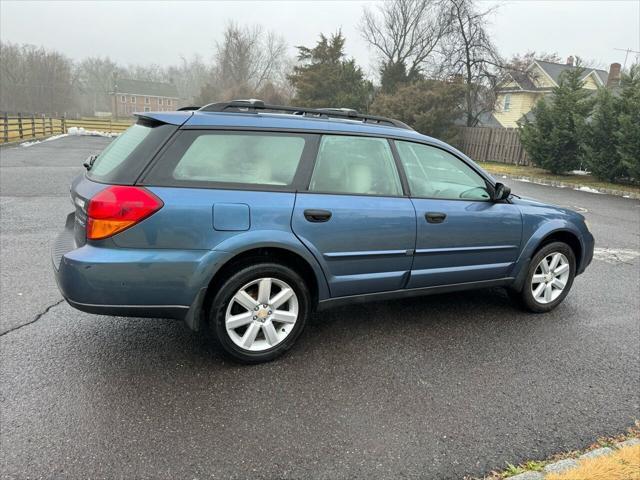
579, 209
588, 189
615, 255
579, 172
78, 131
48, 139
524, 180
73, 132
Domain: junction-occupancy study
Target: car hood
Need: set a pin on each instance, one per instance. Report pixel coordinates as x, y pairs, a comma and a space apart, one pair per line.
517, 200
532, 202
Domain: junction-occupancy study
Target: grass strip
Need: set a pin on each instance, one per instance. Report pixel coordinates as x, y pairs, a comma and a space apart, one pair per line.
497, 169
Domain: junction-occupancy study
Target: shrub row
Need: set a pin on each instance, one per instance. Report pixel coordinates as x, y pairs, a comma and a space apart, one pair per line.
574, 128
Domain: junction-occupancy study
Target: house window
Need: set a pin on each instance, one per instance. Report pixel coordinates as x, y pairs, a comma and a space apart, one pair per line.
159, 101
147, 100
168, 102
123, 99
132, 99
507, 103
146, 109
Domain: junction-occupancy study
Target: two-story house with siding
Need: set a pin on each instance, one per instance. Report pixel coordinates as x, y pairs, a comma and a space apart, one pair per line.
130, 96
519, 91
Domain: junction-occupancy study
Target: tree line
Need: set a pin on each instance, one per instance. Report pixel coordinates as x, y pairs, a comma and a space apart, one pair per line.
437, 68
436, 64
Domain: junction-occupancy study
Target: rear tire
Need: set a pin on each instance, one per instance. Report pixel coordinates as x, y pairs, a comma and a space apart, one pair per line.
549, 278
259, 312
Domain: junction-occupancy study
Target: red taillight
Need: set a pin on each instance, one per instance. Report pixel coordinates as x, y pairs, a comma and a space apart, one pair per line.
117, 208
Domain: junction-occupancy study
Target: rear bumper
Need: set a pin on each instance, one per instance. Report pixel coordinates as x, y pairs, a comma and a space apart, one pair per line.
158, 283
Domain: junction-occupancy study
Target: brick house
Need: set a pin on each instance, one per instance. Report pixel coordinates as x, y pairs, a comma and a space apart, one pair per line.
130, 96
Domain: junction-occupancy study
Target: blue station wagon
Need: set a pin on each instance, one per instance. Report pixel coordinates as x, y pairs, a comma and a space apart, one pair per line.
242, 218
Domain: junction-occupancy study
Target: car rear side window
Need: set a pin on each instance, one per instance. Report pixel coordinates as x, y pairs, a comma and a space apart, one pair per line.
127, 155
231, 158
355, 165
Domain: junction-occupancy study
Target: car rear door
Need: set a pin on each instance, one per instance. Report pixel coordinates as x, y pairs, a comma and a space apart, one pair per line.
462, 235
355, 218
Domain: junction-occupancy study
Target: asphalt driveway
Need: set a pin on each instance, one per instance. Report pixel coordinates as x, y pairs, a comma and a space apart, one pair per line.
436, 387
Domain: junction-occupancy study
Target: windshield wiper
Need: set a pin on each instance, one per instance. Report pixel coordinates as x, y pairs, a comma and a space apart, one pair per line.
88, 163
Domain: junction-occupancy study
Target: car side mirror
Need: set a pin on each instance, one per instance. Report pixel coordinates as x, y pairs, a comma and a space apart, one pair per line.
501, 192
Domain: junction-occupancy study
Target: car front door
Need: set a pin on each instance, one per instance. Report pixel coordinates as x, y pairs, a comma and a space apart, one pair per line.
354, 217
462, 235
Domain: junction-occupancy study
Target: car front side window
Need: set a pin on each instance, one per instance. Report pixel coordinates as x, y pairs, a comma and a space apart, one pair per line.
435, 173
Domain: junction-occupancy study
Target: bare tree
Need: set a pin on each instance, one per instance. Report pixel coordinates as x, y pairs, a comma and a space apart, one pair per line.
189, 76
35, 80
520, 62
405, 33
248, 57
96, 77
471, 57
150, 73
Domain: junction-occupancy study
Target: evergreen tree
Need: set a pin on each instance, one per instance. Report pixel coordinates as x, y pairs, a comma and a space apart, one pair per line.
553, 139
599, 145
429, 106
628, 135
394, 76
327, 79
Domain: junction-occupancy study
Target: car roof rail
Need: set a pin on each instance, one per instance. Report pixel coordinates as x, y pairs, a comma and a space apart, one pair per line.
254, 105
189, 108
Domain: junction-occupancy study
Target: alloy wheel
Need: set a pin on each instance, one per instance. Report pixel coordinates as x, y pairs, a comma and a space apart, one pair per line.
550, 278
261, 314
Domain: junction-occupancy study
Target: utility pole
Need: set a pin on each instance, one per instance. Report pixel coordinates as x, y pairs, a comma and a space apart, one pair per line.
115, 97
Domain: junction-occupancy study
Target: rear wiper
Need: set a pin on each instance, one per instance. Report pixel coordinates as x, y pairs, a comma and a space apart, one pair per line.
88, 163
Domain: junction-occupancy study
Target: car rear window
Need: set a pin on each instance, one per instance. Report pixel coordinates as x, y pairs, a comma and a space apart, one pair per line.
127, 155
231, 158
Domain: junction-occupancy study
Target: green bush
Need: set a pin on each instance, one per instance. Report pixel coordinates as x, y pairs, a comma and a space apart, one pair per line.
553, 139
599, 150
429, 106
326, 78
628, 134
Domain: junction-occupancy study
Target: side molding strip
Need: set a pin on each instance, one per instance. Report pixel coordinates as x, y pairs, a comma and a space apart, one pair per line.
412, 292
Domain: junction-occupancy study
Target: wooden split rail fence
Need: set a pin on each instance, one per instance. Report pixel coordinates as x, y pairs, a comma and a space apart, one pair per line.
16, 128
485, 144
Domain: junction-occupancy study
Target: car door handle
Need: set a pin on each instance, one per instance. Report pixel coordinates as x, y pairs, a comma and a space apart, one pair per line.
317, 216
435, 217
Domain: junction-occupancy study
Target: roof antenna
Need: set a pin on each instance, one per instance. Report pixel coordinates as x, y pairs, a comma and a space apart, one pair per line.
626, 56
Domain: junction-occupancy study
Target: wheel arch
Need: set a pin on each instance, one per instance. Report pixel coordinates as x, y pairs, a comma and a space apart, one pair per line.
282, 250
542, 238
564, 236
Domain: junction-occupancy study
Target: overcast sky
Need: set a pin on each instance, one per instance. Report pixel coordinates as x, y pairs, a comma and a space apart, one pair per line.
161, 31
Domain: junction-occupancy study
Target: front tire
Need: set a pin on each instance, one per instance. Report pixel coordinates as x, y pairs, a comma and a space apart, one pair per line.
549, 278
259, 312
